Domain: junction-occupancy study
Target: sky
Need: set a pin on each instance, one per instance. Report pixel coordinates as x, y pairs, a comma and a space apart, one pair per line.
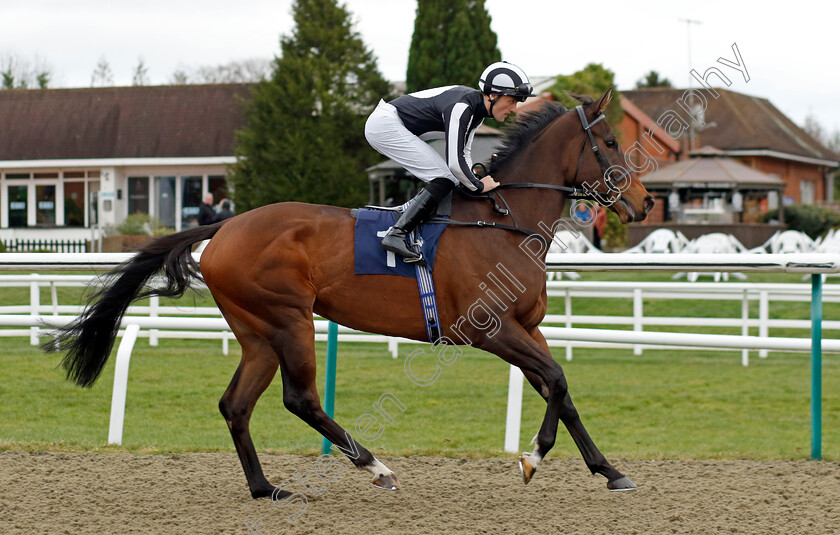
789, 54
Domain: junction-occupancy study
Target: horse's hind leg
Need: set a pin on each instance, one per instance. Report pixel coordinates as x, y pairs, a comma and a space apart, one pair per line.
294, 345
254, 374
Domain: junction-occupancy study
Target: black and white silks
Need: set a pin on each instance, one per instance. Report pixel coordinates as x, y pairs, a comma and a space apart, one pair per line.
400, 128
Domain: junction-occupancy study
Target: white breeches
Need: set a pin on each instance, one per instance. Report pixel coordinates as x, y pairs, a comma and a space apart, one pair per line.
388, 135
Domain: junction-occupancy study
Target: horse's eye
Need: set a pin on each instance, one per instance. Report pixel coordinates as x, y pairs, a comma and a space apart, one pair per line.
611, 144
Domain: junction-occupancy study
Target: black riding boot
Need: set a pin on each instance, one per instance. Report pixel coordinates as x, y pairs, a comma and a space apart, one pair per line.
421, 207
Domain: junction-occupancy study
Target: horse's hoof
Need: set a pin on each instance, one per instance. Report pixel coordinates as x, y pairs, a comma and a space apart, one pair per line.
621, 484
387, 482
526, 468
273, 492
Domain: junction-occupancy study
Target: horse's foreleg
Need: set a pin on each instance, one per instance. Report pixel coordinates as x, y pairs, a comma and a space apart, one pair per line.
252, 377
300, 396
530, 353
592, 456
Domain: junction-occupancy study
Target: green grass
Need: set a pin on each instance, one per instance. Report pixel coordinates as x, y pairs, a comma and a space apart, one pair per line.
663, 404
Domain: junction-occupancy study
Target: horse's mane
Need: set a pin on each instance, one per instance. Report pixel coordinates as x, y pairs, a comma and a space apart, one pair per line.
526, 127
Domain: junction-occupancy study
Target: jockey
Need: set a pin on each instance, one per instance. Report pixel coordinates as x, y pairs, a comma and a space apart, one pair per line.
399, 129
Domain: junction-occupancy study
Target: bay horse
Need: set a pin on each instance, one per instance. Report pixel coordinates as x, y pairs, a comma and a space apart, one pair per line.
271, 268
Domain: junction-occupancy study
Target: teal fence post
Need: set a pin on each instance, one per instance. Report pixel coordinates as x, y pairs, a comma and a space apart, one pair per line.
816, 366
329, 388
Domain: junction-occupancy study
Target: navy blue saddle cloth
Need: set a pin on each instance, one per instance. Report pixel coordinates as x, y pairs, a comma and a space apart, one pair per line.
369, 258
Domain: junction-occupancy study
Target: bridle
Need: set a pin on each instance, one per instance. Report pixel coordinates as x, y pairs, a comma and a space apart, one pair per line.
575, 192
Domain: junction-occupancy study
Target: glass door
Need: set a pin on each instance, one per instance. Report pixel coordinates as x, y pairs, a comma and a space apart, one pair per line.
190, 201
165, 202
45, 211
93, 204
18, 197
138, 195
74, 204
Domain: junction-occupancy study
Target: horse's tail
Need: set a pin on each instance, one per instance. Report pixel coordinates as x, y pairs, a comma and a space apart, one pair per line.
88, 340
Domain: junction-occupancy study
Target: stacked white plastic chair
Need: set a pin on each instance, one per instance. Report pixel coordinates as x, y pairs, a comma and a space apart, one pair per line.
830, 243
662, 241
714, 243
789, 241
566, 242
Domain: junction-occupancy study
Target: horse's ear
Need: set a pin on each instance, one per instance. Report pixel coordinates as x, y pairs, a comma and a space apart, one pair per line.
583, 99
605, 100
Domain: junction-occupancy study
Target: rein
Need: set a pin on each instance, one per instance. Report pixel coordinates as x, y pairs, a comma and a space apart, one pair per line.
570, 191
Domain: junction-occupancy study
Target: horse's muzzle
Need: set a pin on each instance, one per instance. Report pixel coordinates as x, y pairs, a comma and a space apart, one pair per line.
648, 204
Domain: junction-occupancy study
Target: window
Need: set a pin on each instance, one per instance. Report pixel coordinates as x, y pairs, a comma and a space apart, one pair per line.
190, 201
217, 185
93, 203
18, 204
806, 192
74, 204
165, 202
138, 194
45, 207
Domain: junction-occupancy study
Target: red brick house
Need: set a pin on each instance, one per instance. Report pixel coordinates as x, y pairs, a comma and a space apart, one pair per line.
658, 129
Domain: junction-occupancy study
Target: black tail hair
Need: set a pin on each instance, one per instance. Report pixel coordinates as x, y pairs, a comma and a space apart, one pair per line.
88, 340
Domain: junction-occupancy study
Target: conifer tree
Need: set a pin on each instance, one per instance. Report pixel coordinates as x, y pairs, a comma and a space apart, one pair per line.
592, 80
304, 134
451, 45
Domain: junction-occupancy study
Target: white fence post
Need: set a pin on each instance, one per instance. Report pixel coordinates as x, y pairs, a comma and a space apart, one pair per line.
568, 321
115, 429
34, 305
763, 319
637, 316
745, 330
154, 305
54, 297
514, 410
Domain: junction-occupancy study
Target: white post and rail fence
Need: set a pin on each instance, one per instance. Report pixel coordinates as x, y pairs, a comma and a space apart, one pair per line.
817, 265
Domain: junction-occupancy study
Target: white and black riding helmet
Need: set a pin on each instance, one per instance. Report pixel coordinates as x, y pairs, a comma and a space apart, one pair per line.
503, 78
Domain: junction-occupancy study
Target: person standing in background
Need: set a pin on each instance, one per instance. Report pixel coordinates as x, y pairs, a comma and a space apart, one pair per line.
206, 214
226, 212
600, 226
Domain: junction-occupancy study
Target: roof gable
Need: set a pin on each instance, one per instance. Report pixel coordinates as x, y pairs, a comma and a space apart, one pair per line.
120, 122
742, 122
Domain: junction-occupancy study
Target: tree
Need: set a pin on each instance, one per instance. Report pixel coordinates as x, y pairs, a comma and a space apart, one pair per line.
304, 134
242, 71
652, 79
20, 73
141, 73
102, 76
452, 44
592, 80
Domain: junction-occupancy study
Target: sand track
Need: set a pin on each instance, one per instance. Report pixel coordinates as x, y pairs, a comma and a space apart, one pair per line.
206, 493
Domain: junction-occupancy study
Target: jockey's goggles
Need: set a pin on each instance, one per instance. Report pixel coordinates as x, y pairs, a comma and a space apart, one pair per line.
519, 93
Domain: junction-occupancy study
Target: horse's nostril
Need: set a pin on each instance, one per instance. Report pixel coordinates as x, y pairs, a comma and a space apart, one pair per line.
648, 204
